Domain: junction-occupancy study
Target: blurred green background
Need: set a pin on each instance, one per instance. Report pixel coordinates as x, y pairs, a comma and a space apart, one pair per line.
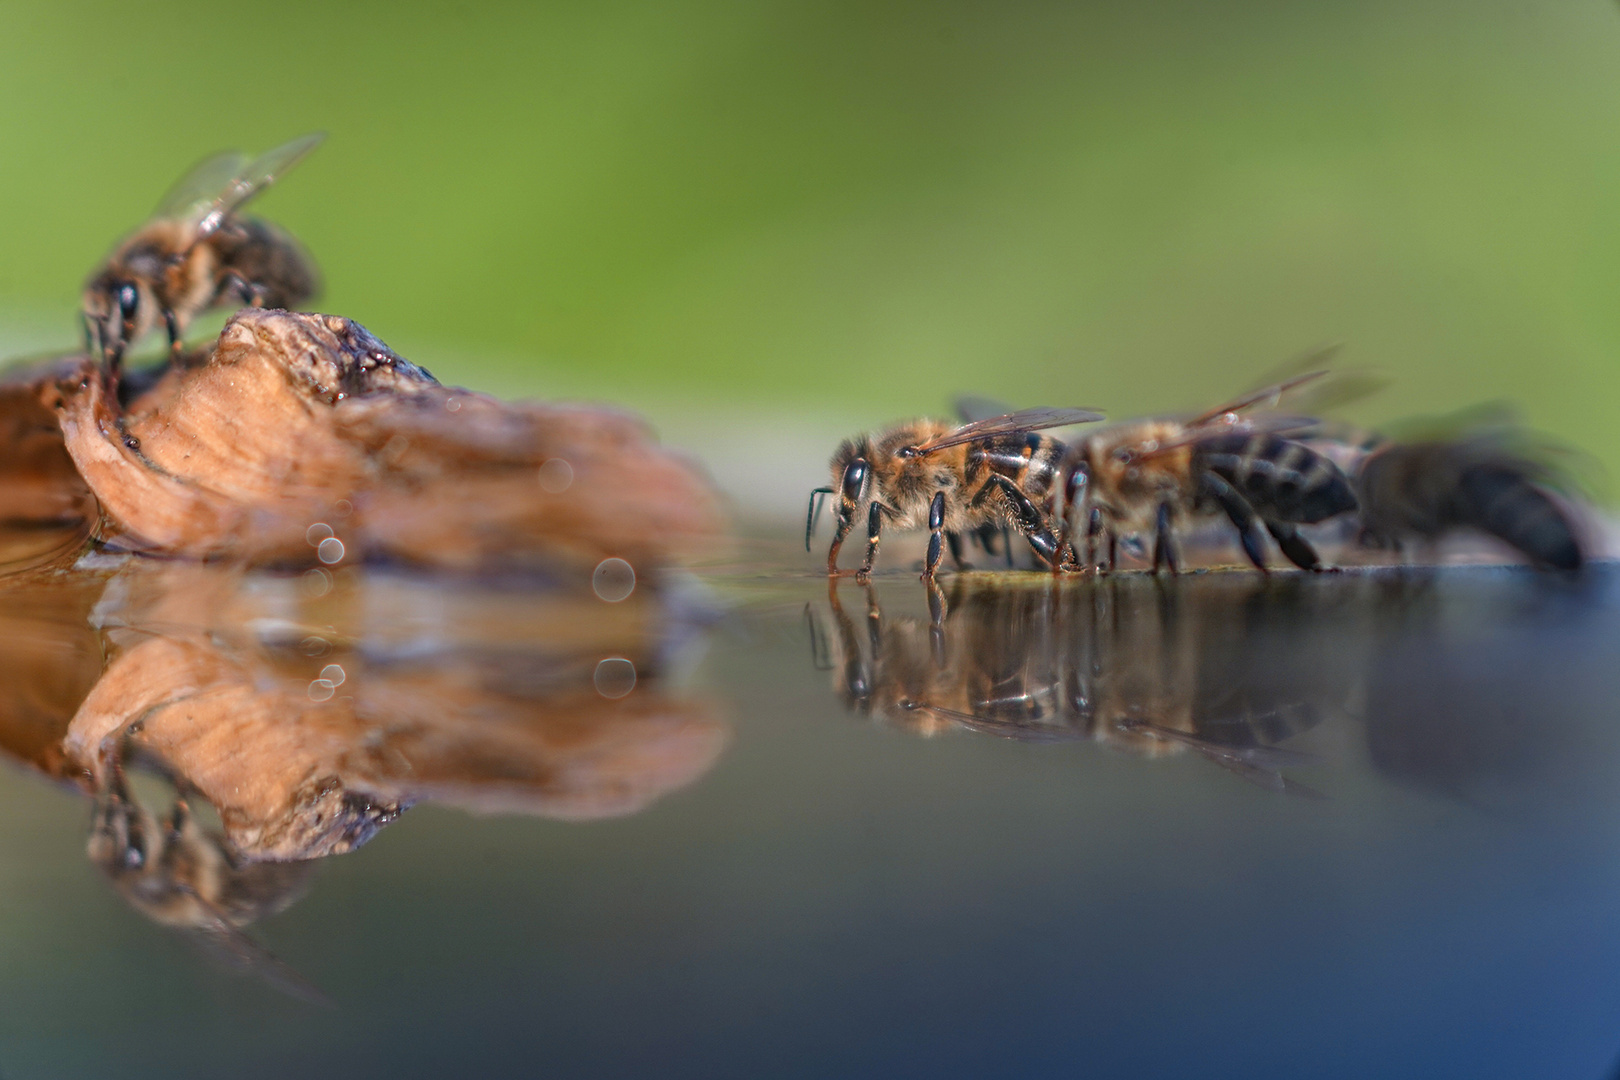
766, 222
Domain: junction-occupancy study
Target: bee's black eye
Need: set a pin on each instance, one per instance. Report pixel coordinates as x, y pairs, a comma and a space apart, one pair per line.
128, 298
854, 480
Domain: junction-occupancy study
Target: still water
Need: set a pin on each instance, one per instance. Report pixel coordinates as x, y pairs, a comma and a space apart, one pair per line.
1345, 825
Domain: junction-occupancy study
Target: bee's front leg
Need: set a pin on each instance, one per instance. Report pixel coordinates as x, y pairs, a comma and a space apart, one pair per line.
936, 540
177, 346
874, 530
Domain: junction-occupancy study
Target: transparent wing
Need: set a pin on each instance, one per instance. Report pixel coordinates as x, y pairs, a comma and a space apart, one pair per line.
195, 193
223, 183
217, 936
1268, 396
1010, 424
971, 408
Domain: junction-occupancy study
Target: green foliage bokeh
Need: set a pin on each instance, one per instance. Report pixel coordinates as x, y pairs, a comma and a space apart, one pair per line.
857, 209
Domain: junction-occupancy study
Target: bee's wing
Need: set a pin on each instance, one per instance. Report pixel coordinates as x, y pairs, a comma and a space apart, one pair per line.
971, 408
225, 182
227, 943
1010, 424
195, 193
1269, 396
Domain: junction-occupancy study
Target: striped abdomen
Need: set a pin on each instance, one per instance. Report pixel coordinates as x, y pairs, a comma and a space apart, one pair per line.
1029, 459
1283, 480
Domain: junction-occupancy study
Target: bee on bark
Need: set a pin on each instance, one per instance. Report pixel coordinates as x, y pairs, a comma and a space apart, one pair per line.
951, 480
1424, 490
196, 253
1151, 476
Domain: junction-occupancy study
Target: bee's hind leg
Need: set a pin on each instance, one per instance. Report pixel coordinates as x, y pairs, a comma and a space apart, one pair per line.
1242, 516
1296, 547
954, 542
1026, 518
1164, 542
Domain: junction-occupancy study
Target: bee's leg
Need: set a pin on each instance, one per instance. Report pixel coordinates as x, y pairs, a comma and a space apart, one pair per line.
1094, 530
936, 624
1026, 518
1006, 545
1113, 551
1295, 546
936, 535
1164, 543
954, 542
1242, 515
176, 345
874, 530
845, 523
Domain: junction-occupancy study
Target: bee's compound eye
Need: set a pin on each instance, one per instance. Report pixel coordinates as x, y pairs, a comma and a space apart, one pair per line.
128, 299
854, 480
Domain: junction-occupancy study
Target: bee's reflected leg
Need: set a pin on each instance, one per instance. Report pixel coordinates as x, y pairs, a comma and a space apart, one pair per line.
1164, 543
874, 531
1295, 546
1026, 518
936, 623
936, 535
1242, 516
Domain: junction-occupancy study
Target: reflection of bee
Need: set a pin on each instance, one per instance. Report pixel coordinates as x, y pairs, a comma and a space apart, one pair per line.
198, 253
1114, 665
1149, 475
181, 875
1424, 490
951, 480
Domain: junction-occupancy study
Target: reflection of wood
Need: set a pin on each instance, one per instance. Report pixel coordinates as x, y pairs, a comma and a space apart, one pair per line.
298, 419
50, 658
293, 777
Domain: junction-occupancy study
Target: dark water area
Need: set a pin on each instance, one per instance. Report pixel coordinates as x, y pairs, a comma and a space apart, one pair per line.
1345, 825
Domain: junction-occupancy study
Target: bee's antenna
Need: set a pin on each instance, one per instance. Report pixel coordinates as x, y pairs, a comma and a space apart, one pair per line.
815, 512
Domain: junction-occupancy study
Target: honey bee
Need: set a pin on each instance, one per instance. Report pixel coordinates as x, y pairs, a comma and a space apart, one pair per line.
197, 252
951, 479
1425, 490
181, 875
1149, 476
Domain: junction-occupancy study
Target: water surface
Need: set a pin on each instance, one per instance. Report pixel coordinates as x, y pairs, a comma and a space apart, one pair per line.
1344, 825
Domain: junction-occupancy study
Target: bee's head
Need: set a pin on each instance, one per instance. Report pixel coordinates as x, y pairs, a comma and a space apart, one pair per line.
117, 309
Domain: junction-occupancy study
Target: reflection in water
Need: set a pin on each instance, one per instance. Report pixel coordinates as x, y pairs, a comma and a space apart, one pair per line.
1227, 668
308, 714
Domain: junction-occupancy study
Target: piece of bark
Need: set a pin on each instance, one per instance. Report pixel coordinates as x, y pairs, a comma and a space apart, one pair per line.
297, 421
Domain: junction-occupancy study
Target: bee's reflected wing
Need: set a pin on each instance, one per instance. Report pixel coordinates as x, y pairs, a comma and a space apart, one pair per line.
971, 408
1010, 424
228, 944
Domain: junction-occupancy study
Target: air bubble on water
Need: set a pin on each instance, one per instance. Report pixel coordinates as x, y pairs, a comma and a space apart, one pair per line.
334, 674
317, 532
556, 476
316, 582
321, 690
330, 551
615, 677
316, 646
343, 508
613, 580
452, 405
